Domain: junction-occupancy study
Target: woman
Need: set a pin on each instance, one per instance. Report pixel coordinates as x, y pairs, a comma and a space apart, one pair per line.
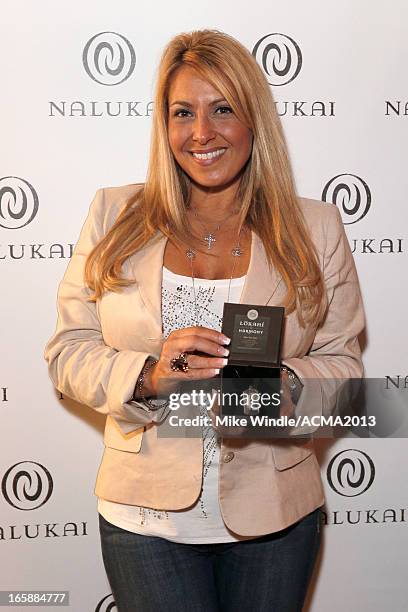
210, 522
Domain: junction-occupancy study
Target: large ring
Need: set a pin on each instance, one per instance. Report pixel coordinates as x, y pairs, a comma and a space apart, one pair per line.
180, 363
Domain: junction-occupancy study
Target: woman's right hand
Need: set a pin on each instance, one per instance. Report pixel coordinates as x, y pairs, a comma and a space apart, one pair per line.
161, 379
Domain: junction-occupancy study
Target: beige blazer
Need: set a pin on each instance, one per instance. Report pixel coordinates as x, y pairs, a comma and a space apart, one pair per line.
98, 350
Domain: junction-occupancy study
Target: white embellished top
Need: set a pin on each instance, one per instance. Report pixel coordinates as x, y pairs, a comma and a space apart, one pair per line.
202, 522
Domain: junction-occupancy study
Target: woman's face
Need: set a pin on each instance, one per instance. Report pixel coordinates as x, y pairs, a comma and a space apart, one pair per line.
208, 141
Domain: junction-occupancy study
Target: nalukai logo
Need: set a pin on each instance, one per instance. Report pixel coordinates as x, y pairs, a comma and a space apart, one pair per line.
18, 202
351, 472
351, 194
109, 58
18, 207
27, 485
280, 58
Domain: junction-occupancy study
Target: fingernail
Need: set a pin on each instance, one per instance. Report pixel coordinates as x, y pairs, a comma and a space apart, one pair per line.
226, 340
224, 362
223, 351
217, 371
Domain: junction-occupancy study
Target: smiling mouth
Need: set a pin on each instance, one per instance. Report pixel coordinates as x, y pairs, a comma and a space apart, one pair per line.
209, 154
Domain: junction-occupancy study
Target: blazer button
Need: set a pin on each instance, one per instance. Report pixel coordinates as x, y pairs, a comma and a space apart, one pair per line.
228, 457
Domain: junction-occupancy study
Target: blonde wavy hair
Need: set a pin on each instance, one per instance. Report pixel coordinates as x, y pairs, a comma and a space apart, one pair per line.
267, 196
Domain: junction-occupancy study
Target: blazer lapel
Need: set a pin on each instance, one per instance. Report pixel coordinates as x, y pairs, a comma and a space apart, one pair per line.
262, 280
147, 266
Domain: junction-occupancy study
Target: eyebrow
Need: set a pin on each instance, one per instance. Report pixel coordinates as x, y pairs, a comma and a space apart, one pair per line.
185, 103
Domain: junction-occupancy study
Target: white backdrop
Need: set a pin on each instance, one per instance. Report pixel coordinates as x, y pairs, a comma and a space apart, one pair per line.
59, 144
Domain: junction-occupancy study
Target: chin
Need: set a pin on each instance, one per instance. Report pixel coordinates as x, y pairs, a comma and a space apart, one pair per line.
209, 183
208, 180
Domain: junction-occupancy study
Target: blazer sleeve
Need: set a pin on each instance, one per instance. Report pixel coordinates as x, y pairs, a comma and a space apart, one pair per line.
330, 368
80, 364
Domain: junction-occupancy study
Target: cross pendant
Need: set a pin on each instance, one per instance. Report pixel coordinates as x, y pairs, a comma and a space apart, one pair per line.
209, 238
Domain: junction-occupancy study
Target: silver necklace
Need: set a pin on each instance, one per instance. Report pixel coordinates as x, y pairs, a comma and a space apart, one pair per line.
236, 252
209, 236
211, 443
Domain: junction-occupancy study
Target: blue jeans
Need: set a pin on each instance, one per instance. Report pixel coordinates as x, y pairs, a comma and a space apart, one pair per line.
267, 574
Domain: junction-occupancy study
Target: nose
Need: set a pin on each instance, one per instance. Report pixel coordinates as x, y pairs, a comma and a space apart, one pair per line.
203, 130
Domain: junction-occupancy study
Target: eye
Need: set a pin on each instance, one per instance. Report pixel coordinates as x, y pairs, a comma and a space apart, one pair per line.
224, 110
181, 112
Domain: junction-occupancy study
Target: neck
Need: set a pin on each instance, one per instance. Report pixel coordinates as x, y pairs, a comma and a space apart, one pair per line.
212, 203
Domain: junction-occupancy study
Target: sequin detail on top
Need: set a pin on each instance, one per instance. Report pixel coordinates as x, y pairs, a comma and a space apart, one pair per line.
178, 307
